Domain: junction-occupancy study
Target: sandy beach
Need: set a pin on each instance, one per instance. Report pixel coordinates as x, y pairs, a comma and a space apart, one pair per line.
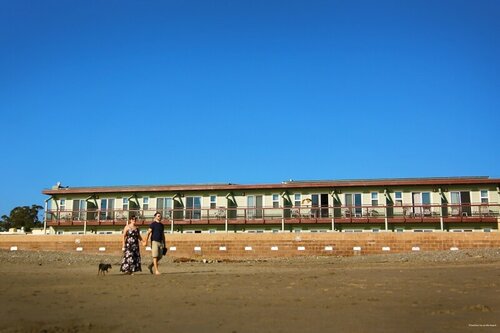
452, 291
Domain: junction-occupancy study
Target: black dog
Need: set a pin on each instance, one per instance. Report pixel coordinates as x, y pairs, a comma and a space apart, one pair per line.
103, 268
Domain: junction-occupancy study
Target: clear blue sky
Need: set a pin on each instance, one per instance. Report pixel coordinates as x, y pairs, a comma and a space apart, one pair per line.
168, 92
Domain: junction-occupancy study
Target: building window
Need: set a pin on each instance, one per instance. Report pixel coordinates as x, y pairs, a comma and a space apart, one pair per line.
460, 203
62, 205
254, 206
124, 213
145, 203
426, 198
484, 209
250, 206
398, 198
213, 201
374, 199
319, 200
78, 209
297, 200
421, 203
164, 206
484, 196
193, 208
107, 209
276, 201
354, 204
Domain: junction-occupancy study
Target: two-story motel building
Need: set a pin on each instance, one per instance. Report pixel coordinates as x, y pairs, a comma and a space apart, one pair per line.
455, 204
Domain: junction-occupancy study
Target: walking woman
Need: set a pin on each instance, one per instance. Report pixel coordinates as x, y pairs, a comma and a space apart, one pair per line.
131, 261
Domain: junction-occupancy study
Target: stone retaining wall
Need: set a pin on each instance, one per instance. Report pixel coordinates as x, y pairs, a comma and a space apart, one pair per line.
238, 246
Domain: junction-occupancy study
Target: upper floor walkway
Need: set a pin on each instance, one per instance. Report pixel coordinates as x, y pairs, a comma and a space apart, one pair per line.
470, 213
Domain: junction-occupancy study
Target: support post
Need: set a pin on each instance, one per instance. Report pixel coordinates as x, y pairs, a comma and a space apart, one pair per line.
441, 219
45, 217
282, 219
386, 219
333, 216
443, 200
332, 194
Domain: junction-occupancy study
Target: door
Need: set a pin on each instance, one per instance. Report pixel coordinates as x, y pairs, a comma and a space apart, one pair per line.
417, 203
390, 206
426, 204
460, 202
319, 205
91, 211
178, 213
134, 209
251, 207
258, 205
231, 209
465, 202
337, 204
455, 203
324, 205
287, 204
444, 206
315, 204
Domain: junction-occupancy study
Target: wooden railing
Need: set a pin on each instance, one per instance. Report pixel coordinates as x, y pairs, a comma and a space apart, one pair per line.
268, 215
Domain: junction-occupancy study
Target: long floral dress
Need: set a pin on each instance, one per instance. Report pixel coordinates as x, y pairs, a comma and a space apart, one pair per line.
131, 261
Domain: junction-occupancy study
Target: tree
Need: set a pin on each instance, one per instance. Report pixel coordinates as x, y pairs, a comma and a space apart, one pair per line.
4, 223
22, 217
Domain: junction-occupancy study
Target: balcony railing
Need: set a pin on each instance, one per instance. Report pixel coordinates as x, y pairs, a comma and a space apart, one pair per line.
289, 215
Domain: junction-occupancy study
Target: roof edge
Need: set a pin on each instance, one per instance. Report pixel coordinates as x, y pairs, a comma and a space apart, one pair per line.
436, 181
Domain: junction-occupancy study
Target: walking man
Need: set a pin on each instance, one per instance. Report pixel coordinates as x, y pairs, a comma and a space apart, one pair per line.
157, 234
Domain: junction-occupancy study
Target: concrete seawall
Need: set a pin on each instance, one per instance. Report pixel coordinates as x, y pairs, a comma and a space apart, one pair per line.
238, 246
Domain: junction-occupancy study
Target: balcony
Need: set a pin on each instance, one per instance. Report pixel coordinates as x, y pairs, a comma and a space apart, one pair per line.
472, 213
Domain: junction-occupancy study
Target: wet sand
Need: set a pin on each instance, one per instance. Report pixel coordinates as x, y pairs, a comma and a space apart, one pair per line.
418, 292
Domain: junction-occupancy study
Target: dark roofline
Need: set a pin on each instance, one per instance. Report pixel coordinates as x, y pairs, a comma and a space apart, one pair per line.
387, 179
436, 181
